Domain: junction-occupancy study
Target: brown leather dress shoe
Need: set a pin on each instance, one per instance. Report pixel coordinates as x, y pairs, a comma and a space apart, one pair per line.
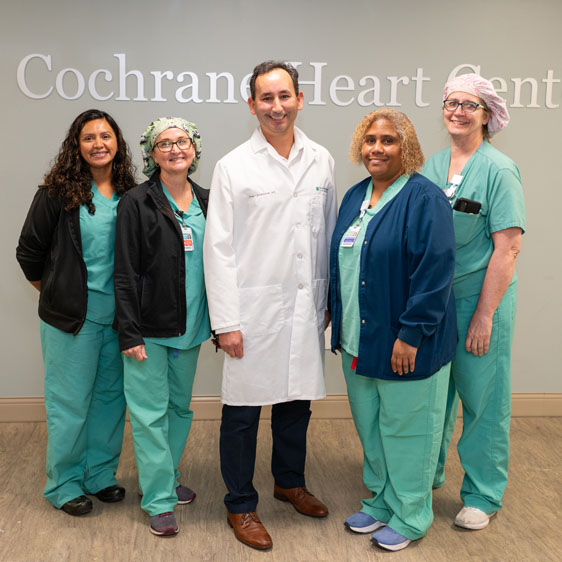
303, 501
249, 529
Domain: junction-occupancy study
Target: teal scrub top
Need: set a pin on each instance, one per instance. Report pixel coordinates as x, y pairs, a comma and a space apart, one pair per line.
492, 179
350, 265
98, 243
198, 328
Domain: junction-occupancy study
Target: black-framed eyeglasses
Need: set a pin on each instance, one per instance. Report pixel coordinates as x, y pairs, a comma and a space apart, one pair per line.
166, 146
466, 106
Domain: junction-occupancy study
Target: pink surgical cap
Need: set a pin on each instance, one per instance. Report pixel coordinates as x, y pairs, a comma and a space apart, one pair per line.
477, 86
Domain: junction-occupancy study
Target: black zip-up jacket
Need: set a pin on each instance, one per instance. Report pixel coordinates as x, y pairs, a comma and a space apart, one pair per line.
149, 274
50, 250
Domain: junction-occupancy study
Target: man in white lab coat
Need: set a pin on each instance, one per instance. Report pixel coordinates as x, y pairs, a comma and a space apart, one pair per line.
271, 213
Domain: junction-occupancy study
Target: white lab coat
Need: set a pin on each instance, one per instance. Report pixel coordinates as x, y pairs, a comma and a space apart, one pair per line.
266, 249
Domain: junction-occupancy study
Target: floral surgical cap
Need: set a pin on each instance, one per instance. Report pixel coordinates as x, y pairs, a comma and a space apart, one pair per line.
477, 86
156, 128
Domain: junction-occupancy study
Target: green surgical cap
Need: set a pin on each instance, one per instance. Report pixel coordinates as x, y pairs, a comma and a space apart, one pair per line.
156, 128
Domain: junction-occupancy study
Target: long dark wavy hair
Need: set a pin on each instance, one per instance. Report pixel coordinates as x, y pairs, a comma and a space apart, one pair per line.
70, 177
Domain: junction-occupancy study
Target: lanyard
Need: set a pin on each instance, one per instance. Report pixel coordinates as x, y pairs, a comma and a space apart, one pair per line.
186, 232
455, 182
353, 231
364, 207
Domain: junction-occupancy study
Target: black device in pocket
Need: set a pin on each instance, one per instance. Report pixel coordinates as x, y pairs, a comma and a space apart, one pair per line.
467, 206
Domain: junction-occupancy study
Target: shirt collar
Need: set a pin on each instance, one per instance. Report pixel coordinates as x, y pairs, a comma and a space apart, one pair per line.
259, 143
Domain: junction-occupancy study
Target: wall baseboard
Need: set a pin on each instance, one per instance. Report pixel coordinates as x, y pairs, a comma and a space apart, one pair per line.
334, 406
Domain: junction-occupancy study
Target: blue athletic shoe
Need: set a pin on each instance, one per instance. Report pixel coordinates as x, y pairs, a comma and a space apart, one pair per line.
363, 523
389, 539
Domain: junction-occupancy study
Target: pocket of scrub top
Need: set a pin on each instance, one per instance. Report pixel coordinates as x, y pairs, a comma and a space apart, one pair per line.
316, 211
261, 310
466, 226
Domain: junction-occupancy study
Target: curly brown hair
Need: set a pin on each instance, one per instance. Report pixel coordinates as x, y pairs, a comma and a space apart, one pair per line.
412, 155
70, 177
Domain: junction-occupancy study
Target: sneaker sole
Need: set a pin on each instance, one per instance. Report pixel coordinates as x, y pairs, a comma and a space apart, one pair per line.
365, 530
164, 533
392, 547
475, 526
185, 502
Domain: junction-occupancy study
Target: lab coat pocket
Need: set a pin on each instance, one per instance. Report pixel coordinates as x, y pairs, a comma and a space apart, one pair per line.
320, 290
466, 226
316, 211
261, 310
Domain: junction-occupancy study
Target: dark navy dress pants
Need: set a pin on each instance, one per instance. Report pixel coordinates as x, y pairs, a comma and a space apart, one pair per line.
238, 441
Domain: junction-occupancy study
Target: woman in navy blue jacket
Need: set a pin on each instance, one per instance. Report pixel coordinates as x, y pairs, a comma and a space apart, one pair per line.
393, 313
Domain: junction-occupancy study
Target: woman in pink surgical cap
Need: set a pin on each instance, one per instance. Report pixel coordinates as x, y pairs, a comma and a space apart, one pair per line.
484, 188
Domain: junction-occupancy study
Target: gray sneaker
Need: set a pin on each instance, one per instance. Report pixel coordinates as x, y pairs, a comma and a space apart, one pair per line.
164, 524
185, 494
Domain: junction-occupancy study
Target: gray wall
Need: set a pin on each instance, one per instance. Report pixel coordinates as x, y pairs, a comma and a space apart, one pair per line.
511, 40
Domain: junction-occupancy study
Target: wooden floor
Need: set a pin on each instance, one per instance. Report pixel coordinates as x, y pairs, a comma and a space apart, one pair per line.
529, 527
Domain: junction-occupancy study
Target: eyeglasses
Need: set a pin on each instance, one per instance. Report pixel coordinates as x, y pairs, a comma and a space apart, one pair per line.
166, 146
466, 106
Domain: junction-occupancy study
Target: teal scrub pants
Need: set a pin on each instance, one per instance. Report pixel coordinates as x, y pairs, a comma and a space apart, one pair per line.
158, 392
400, 424
85, 410
484, 386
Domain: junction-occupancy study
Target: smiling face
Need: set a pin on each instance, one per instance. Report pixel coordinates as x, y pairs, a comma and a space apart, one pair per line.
176, 161
381, 152
461, 124
276, 104
98, 143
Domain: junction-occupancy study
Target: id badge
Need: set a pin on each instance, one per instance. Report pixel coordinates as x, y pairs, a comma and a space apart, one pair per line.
350, 237
187, 238
455, 182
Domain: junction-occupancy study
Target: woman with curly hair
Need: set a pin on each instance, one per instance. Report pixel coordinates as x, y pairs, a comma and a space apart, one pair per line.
66, 251
392, 258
